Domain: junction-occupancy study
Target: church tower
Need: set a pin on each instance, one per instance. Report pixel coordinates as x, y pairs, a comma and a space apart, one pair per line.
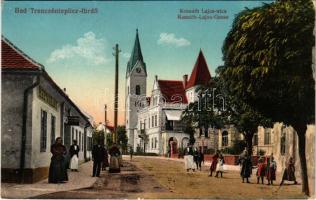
135, 90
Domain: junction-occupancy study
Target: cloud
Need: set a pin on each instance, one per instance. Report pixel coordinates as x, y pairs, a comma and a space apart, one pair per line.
89, 48
171, 39
126, 55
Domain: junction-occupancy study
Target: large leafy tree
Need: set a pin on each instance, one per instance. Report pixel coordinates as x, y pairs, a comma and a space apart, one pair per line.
204, 113
267, 65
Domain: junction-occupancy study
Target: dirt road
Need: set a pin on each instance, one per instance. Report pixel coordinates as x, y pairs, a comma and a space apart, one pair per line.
156, 178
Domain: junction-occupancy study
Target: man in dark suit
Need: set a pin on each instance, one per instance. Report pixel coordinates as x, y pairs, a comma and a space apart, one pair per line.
98, 154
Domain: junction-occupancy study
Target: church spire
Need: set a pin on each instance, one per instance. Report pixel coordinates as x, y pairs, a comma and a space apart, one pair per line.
136, 54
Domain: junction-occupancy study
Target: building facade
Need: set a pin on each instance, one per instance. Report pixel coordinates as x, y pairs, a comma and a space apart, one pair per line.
153, 122
35, 111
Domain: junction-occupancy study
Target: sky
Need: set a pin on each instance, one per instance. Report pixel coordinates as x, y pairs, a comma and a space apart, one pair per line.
76, 49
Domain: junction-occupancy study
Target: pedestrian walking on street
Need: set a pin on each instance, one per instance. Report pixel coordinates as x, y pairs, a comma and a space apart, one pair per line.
74, 155
214, 163
131, 152
199, 158
261, 170
98, 153
58, 168
220, 166
115, 165
246, 166
271, 170
188, 159
289, 172
105, 162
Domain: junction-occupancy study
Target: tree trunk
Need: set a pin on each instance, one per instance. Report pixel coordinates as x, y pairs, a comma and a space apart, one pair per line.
248, 137
301, 130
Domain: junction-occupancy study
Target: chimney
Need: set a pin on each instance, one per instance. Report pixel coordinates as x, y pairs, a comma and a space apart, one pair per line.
156, 77
105, 115
185, 80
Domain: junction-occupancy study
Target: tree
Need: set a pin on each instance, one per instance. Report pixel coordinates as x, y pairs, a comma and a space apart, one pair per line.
122, 137
205, 112
98, 137
267, 65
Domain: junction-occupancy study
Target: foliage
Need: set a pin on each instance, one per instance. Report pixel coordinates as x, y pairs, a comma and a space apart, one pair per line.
267, 68
98, 136
261, 152
122, 137
204, 113
236, 149
109, 140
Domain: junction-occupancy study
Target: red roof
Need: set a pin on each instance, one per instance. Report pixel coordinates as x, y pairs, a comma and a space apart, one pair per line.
200, 74
14, 58
173, 91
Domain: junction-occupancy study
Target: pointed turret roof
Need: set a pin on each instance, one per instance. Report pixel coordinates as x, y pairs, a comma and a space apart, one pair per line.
136, 55
200, 74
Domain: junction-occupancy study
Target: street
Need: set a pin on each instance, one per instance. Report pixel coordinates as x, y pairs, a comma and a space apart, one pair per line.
161, 178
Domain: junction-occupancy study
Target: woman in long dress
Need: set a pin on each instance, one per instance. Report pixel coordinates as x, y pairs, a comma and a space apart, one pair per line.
246, 166
188, 159
74, 154
220, 166
289, 172
214, 163
57, 168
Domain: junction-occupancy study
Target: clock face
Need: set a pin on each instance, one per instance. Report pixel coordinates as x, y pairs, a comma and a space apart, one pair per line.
138, 70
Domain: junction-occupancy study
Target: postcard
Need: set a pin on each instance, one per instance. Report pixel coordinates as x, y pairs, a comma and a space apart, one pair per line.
158, 99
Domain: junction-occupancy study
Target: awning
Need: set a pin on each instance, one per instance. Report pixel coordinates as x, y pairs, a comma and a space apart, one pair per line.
174, 115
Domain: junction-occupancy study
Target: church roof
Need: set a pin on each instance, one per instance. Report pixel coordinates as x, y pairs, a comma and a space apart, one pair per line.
173, 91
14, 58
136, 55
200, 74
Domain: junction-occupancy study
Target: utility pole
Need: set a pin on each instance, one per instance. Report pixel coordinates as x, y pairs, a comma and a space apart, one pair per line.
116, 54
105, 114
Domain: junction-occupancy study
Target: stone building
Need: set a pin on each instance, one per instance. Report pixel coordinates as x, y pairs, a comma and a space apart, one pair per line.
34, 110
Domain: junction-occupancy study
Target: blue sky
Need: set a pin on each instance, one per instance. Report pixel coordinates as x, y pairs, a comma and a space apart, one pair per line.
76, 49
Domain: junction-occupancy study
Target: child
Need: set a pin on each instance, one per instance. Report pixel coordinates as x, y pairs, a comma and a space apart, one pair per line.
220, 166
261, 170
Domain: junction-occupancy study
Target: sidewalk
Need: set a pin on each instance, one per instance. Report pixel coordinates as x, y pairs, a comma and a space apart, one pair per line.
77, 180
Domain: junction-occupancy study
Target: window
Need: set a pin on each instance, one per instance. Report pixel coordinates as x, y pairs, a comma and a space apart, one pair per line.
255, 139
72, 134
169, 125
152, 121
149, 122
267, 139
127, 89
156, 141
137, 90
152, 143
53, 129
155, 120
225, 139
77, 135
282, 143
43, 131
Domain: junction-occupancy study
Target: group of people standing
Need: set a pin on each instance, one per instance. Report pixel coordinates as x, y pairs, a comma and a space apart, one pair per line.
193, 158
217, 164
60, 162
266, 169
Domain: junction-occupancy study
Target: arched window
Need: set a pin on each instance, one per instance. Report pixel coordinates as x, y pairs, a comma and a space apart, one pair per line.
225, 139
137, 90
282, 142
